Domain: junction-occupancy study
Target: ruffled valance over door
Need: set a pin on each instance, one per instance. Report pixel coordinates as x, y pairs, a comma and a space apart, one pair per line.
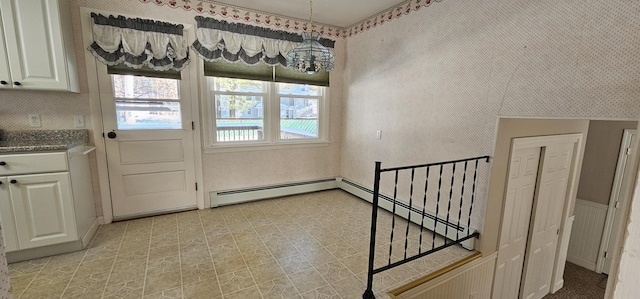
219, 40
139, 42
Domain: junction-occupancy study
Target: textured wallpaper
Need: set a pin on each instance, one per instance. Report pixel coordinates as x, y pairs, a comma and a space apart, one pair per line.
4, 272
435, 81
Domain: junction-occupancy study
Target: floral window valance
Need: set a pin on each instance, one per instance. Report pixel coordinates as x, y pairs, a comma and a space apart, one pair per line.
220, 40
139, 42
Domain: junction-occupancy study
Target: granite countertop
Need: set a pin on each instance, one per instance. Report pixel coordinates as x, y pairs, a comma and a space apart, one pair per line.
41, 140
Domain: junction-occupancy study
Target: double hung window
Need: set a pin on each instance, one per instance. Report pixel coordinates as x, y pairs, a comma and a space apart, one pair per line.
244, 112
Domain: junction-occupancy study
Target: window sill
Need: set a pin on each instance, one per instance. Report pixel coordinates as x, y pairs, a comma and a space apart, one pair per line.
227, 148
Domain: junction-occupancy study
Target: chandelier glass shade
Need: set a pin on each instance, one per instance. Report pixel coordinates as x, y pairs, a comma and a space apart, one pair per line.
310, 56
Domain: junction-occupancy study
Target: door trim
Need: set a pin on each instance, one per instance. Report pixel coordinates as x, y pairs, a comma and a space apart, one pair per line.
97, 119
617, 194
565, 231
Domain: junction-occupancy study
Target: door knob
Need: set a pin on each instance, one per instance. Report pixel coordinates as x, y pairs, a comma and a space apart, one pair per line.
3, 163
0, 182
111, 135
17, 83
13, 181
4, 82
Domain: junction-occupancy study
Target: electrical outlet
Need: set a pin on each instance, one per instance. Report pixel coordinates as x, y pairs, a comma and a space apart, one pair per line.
78, 121
34, 120
378, 135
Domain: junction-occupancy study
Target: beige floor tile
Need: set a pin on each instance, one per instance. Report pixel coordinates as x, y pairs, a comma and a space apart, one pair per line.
199, 272
350, 287
282, 250
125, 272
318, 256
20, 283
258, 256
324, 292
224, 251
266, 272
131, 246
164, 265
294, 264
101, 252
175, 293
341, 250
280, 288
307, 280
161, 282
195, 257
45, 288
229, 264
356, 263
127, 290
251, 292
96, 266
163, 251
334, 271
27, 267
86, 286
235, 281
279, 248
206, 289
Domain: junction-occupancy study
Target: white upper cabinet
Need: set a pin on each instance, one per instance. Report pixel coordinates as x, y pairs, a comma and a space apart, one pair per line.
38, 45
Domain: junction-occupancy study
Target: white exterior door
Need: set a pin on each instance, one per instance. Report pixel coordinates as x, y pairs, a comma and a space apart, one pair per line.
43, 209
546, 219
521, 186
149, 143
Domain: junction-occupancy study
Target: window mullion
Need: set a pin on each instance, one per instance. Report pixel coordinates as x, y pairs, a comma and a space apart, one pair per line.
274, 103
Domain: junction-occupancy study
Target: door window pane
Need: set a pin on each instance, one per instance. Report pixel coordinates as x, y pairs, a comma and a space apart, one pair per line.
137, 87
148, 115
239, 118
298, 118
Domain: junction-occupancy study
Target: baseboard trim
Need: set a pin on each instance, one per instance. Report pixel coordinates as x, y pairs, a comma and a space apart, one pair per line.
86, 239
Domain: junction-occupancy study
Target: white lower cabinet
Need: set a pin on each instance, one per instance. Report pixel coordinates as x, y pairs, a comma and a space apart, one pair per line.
43, 209
38, 210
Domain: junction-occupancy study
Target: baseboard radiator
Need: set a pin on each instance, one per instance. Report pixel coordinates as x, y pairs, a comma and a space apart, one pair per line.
229, 197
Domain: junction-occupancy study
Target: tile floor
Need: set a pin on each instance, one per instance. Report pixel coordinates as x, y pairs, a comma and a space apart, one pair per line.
306, 246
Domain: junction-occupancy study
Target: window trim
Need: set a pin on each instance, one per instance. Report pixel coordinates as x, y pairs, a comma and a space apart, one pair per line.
271, 121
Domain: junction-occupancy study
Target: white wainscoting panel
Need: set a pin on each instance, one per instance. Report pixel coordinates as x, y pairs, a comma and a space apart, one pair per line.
473, 280
586, 233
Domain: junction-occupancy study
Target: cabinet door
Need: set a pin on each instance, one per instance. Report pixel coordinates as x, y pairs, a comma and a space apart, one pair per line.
34, 44
6, 218
43, 209
5, 74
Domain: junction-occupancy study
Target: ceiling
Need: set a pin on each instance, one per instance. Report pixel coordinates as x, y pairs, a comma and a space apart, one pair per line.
339, 13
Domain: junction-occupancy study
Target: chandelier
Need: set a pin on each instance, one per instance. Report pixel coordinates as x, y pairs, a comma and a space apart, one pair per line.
310, 57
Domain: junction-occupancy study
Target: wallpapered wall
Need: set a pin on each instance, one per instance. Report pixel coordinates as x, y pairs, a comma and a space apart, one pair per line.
221, 171
435, 80
601, 158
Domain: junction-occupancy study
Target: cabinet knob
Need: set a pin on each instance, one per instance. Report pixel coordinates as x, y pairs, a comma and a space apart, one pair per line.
17, 83
13, 181
3, 163
4, 82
